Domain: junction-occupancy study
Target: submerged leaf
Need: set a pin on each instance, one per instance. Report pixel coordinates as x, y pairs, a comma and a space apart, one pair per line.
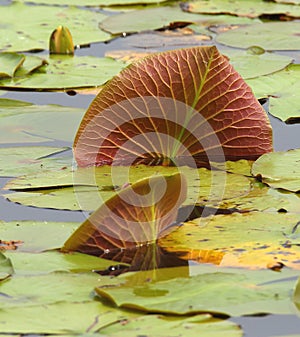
185, 106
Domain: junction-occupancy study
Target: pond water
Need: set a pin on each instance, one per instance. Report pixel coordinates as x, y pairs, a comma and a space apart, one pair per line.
285, 137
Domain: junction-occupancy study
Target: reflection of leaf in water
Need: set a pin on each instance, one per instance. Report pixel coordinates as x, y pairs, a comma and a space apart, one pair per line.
134, 217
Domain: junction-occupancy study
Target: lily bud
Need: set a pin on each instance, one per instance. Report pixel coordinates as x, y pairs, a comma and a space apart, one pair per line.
61, 41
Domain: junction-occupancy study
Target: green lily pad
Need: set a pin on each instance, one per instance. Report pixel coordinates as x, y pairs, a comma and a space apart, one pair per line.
6, 268
280, 87
27, 27
158, 325
250, 65
37, 236
154, 18
265, 199
248, 8
229, 292
65, 72
9, 63
54, 261
279, 169
27, 290
252, 240
60, 318
281, 35
17, 161
46, 190
27, 123
95, 3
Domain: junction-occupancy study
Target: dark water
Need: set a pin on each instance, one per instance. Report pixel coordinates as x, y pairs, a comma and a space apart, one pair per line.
285, 137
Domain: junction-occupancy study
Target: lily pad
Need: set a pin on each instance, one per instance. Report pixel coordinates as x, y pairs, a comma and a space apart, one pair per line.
158, 325
65, 72
17, 161
251, 240
95, 3
279, 169
9, 63
248, 8
45, 189
60, 317
53, 261
6, 268
161, 17
37, 236
250, 64
227, 292
280, 87
26, 27
281, 35
27, 123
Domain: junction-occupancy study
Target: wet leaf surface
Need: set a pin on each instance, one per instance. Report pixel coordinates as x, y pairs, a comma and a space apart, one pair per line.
279, 170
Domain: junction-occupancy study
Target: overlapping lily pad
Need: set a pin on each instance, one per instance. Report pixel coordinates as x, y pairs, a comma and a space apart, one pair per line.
280, 87
156, 325
252, 240
95, 3
279, 169
64, 72
248, 8
225, 292
281, 35
6, 268
27, 27
154, 18
45, 189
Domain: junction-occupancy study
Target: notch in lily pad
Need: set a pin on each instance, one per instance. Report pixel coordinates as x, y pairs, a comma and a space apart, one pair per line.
61, 41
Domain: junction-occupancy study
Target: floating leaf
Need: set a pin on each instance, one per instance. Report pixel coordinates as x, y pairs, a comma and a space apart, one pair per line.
158, 325
279, 169
60, 317
95, 3
53, 261
252, 240
248, 8
189, 121
227, 292
138, 214
9, 63
17, 161
6, 268
281, 35
27, 27
37, 236
280, 87
65, 72
162, 17
26, 123
88, 188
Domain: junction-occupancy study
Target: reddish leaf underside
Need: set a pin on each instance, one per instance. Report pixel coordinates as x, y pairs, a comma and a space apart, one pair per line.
138, 214
187, 103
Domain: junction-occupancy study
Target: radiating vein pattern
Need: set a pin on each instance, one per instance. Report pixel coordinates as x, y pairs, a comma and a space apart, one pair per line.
187, 103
